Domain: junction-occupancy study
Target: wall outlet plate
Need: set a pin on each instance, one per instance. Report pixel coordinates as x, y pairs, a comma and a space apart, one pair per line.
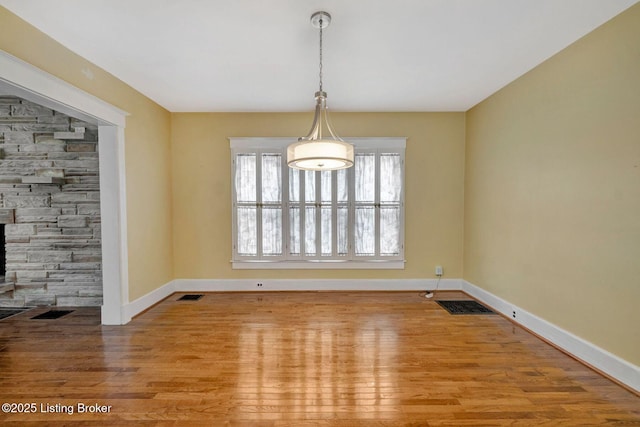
438, 270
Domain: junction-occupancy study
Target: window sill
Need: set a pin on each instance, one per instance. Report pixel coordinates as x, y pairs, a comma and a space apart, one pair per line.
318, 265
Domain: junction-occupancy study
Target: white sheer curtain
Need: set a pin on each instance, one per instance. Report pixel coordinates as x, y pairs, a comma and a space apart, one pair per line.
348, 213
390, 203
246, 202
365, 203
271, 207
258, 187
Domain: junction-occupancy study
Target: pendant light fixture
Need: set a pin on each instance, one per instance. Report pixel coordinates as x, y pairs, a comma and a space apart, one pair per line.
322, 149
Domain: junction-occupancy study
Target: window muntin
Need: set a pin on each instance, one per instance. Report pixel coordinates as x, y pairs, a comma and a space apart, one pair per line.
283, 214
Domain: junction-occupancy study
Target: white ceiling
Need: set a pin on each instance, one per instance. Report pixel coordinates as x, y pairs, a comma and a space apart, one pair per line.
256, 55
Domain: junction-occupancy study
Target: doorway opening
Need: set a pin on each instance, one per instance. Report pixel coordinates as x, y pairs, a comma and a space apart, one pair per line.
21, 79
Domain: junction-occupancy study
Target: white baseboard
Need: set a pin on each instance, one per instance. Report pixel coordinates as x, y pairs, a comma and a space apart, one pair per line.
623, 371
251, 285
144, 302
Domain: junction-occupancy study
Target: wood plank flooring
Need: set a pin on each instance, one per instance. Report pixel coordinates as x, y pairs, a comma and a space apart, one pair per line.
299, 359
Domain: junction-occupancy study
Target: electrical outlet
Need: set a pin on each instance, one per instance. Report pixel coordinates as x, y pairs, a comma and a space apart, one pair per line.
438, 270
259, 285
513, 314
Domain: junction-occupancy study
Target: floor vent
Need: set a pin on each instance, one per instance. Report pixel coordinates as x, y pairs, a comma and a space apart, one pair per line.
190, 297
52, 314
464, 307
8, 312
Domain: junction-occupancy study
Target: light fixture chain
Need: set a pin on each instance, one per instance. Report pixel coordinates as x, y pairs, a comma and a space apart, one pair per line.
321, 25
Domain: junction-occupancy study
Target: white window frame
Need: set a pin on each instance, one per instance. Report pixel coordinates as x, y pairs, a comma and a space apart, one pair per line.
258, 145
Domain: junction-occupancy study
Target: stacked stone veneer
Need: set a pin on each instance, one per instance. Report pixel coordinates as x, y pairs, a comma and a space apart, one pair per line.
50, 205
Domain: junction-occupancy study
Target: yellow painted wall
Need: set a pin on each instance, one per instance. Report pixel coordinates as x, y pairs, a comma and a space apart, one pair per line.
148, 149
552, 189
202, 188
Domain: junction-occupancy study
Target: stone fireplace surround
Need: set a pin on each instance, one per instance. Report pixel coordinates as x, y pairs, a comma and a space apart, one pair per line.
50, 205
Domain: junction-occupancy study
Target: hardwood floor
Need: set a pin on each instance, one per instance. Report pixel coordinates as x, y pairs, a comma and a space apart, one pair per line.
298, 359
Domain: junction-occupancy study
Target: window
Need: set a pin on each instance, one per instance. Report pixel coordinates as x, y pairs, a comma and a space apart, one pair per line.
287, 218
